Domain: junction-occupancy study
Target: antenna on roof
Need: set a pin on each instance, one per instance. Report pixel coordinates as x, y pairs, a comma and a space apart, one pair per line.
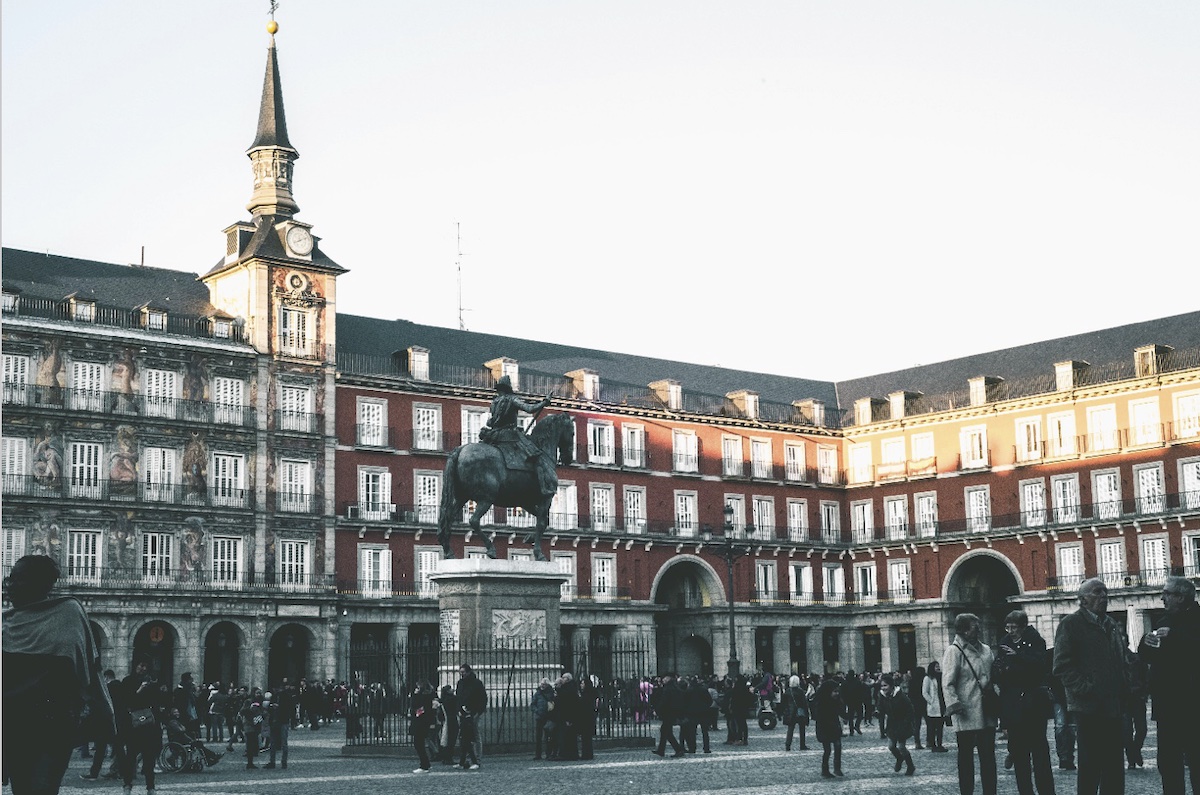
462, 326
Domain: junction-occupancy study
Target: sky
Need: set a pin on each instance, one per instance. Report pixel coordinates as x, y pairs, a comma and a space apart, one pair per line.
823, 190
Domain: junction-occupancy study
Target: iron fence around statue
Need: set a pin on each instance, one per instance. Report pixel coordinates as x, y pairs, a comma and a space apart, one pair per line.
384, 678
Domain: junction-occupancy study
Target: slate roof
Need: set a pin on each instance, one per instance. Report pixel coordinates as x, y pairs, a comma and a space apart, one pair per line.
131, 286
272, 126
267, 242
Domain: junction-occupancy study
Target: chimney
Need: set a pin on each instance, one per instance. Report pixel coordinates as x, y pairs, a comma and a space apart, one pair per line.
983, 388
901, 403
746, 402
1069, 374
670, 392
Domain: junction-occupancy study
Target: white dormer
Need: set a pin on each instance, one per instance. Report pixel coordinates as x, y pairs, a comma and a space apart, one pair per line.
901, 403
418, 363
670, 392
505, 366
237, 237
810, 411
587, 383
864, 410
1147, 358
1067, 374
982, 388
746, 402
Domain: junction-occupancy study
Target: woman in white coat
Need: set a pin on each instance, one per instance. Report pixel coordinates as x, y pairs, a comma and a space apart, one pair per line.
966, 674
935, 707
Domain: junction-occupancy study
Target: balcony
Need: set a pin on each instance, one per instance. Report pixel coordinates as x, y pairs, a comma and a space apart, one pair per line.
1118, 580
296, 421
116, 317
430, 440
124, 491
136, 405
83, 579
299, 502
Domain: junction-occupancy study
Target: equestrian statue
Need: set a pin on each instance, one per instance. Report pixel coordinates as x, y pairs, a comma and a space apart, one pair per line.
508, 468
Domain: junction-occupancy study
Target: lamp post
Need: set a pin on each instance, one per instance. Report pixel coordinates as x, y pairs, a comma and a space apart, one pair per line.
730, 552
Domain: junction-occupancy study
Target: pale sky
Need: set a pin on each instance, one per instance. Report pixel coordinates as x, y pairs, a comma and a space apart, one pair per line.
818, 189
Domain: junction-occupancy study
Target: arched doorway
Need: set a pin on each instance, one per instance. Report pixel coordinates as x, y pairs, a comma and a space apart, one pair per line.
982, 583
288, 655
155, 643
222, 654
695, 657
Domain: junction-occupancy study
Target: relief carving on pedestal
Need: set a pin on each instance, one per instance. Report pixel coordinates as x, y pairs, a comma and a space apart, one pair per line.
519, 625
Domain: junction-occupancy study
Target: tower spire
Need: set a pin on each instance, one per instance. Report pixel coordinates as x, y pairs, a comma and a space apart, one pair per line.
272, 155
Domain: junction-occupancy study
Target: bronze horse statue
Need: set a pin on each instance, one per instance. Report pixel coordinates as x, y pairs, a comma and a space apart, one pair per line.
477, 472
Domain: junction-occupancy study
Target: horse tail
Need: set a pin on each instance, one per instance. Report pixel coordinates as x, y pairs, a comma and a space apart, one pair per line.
449, 497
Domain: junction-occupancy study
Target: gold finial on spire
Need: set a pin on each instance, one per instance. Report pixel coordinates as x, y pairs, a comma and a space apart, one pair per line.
273, 26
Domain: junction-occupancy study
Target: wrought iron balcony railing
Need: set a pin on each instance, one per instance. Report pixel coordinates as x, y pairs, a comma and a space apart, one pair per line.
76, 578
107, 490
136, 405
117, 317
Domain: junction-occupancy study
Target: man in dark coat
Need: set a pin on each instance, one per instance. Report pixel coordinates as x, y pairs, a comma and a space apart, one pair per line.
668, 703
1091, 656
471, 696
1173, 651
1025, 706
897, 713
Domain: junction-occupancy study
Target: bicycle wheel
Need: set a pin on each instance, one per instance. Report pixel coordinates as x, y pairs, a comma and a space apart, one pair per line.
173, 757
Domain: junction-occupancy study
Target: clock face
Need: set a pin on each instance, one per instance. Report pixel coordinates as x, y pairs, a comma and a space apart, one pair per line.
299, 240
296, 282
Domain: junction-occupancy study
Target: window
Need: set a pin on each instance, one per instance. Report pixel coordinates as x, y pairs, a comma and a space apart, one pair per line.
793, 461
801, 583
1111, 557
517, 517
762, 464
1143, 416
10, 302
228, 481
900, 580
731, 456
473, 420
375, 571
16, 378
86, 383
891, 458
160, 388
895, 513
427, 496
418, 363
295, 486
1191, 555
766, 583
973, 443
226, 561
14, 546
425, 563
1029, 439
979, 509
427, 427
833, 583
925, 505
293, 561
228, 400
1187, 415
372, 422
1189, 483
685, 513
601, 442
564, 508
15, 467
85, 470
1102, 428
522, 555
295, 334
922, 447
738, 520
826, 464
864, 582
686, 451
158, 474
604, 513
860, 463
797, 520
83, 555
831, 521
1064, 490
222, 329
375, 494
564, 562
1033, 503
469, 508
1155, 565
295, 409
1148, 479
633, 445
862, 521
764, 516
1070, 566
156, 556
604, 578
1106, 490
1062, 433
635, 509
83, 311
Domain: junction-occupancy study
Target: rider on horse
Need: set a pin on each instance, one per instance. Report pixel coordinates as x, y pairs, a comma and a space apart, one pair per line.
502, 427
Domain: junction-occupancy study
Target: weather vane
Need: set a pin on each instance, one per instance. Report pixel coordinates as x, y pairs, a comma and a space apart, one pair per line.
273, 26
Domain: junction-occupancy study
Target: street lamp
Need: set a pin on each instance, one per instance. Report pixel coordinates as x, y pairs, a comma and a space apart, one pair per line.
730, 551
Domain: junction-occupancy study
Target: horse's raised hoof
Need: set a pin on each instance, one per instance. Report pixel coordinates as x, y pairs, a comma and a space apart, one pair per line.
491, 553
538, 554
447, 554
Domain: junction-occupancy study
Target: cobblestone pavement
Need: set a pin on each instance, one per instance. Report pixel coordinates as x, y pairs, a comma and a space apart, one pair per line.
317, 766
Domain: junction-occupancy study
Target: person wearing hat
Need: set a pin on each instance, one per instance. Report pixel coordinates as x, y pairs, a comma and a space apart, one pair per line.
502, 427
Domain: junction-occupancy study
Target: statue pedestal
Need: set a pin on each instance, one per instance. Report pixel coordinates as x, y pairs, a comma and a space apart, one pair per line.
487, 604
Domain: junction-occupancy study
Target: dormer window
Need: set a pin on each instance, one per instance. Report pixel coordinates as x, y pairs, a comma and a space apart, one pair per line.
505, 367
156, 320
418, 363
669, 392
587, 384
222, 329
83, 311
10, 302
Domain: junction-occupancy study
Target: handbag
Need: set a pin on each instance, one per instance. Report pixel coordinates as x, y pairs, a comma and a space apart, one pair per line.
142, 718
990, 698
